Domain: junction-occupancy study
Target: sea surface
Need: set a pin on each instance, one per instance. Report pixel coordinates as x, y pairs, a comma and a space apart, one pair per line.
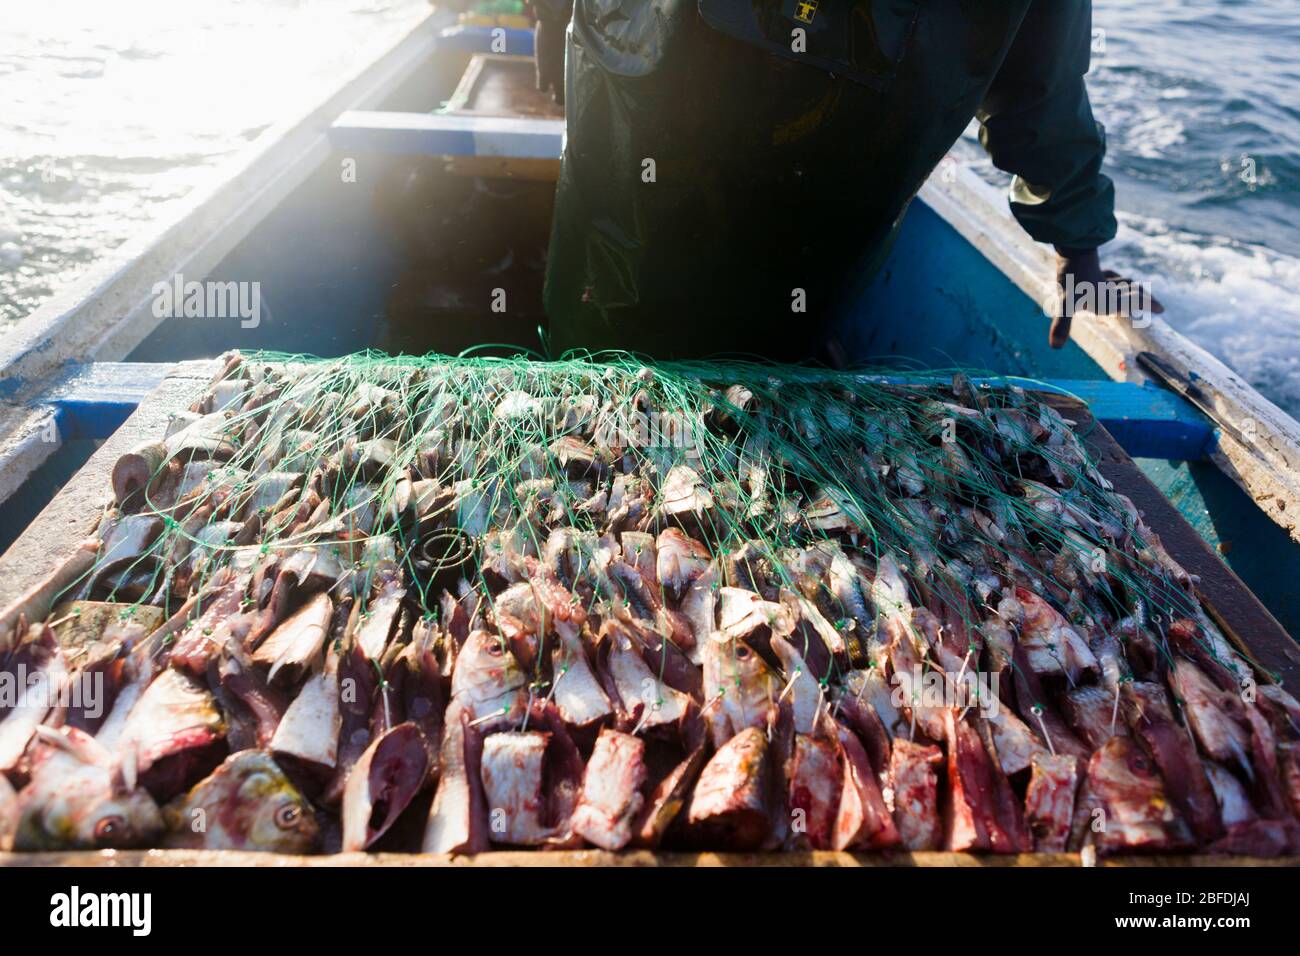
114, 110
1201, 104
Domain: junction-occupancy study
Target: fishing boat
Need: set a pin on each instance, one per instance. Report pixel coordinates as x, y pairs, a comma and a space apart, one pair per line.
421, 187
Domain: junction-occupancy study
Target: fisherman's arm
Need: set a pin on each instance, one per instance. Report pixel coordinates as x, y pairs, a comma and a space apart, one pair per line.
1037, 124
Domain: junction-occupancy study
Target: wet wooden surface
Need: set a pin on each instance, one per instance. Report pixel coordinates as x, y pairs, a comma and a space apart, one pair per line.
497, 85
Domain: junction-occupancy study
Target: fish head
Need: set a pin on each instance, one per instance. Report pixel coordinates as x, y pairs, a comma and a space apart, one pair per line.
113, 820
739, 687
1130, 785
736, 664
486, 673
256, 804
80, 798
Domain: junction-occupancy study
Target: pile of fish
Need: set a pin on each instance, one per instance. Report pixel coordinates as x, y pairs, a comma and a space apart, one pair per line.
453, 605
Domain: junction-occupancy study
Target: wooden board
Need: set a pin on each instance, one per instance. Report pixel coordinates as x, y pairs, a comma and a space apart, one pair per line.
74, 512
497, 85
55, 534
496, 124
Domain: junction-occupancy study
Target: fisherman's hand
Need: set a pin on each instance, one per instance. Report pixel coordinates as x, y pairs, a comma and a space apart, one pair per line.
548, 51
1084, 286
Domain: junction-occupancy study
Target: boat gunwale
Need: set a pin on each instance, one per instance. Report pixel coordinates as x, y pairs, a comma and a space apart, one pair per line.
1266, 468
103, 314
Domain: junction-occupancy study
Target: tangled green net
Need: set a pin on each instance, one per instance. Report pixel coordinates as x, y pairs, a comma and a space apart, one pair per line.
449, 468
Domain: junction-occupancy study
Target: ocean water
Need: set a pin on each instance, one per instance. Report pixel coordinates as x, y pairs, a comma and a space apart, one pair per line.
113, 110
1201, 103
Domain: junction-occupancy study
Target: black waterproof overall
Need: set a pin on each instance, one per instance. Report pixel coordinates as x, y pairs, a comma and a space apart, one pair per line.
730, 162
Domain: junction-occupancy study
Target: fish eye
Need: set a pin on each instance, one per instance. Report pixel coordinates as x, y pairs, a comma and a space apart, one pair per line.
742, 651
287, 817
494, 649
109, 828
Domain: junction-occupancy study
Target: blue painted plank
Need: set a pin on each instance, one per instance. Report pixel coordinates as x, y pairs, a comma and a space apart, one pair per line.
93, 400
1146, 420
478, 39
439, 134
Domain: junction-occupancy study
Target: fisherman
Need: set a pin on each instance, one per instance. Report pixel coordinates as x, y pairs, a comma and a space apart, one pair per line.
730, 164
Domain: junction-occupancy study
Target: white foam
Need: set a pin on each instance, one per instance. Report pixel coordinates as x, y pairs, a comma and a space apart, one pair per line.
1239, 302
